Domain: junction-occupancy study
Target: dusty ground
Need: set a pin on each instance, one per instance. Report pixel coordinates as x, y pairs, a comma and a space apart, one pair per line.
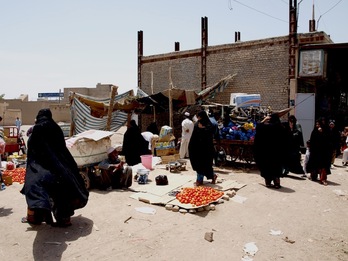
312, 220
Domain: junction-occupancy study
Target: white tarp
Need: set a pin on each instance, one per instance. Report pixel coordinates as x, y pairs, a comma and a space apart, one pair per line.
90, 146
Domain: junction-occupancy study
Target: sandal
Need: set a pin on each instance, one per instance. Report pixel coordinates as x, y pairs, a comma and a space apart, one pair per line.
213, 181
277, 183
268, 183
30, 220
324, 182
24, 220
277, 186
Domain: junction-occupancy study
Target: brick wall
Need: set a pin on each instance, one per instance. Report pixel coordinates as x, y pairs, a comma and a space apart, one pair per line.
261, 67
184, 68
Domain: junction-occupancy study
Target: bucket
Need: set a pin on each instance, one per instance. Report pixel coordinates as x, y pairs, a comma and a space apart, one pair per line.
146, 160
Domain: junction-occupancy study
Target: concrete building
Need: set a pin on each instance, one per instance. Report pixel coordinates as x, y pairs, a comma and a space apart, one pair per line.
27, 110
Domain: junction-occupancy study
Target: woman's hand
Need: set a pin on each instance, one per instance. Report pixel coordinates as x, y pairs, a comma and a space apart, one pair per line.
267, 118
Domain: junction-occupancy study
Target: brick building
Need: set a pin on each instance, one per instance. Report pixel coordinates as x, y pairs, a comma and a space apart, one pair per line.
261, 67
270, 67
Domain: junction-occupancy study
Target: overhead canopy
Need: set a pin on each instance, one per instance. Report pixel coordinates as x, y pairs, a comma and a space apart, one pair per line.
125, 102
181, 98
92, 113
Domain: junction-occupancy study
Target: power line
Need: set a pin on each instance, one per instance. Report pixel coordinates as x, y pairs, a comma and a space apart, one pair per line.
327, 12
261, 12
230, 5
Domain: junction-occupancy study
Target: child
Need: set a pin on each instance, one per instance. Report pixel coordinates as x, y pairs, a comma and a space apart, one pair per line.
306, 158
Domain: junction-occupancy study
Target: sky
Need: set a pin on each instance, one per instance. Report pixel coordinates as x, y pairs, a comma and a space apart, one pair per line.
46, 46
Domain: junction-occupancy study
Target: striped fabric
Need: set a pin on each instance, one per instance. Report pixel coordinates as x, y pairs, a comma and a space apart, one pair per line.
141, 93
83, 120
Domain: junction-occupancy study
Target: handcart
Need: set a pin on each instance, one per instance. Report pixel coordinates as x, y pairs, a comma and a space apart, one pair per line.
234, 151
88, 149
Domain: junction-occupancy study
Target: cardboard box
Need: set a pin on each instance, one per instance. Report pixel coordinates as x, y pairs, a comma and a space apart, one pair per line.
7, 180
11, 140
165, 145
169, 158
165, 152
167, 138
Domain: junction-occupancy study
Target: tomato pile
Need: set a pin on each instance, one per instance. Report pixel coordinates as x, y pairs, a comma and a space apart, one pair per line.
198, 196
17, 174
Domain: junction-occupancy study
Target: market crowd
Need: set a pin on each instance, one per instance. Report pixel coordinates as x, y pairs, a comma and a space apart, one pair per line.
53, 184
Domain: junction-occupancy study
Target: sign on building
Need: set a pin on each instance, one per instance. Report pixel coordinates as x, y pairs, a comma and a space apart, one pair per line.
311, 63
50, 95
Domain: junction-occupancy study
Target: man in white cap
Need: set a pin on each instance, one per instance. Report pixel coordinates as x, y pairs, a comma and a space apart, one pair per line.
115, 174
187, 128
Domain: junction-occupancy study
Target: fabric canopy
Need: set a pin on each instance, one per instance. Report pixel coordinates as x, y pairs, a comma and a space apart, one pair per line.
91, 113
182, 98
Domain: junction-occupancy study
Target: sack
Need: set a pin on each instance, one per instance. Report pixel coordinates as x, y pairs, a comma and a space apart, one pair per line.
161, 180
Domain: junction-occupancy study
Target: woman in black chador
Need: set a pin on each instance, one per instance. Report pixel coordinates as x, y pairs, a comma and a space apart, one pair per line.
201, 149
271, 149
134, 144
52, 181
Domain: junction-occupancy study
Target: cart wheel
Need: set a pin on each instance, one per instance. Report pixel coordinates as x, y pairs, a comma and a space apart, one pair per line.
84, 175
235, 152
220, 156
248, 154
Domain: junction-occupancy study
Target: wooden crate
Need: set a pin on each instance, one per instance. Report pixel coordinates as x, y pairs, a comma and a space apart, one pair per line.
169, 158
165, 152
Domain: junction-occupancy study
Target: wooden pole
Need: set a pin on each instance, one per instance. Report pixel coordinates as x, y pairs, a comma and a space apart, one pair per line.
72, 122
111, 106
154, 108
170, 98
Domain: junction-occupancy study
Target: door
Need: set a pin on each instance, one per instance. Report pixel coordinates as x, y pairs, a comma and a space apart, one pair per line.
305, 113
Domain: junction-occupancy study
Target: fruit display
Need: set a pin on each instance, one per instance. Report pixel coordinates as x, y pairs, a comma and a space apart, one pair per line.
17, 174
199, 196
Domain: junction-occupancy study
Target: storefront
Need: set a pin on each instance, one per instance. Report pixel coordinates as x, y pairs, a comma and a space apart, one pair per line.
323, 70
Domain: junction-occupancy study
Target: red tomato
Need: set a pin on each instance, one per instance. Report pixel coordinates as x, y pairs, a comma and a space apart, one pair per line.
198, 196
17, 174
